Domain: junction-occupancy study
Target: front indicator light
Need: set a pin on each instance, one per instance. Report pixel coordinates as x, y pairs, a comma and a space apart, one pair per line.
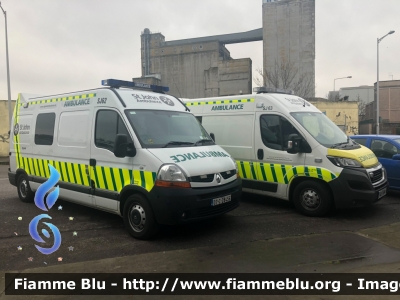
173, 184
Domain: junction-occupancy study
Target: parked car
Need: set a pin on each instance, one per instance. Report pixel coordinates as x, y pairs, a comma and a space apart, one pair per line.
387, 150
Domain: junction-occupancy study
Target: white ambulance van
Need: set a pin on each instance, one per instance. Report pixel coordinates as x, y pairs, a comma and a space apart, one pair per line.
286, 148
126, 148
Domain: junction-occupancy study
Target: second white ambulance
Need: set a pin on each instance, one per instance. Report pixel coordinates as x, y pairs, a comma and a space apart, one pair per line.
286, 148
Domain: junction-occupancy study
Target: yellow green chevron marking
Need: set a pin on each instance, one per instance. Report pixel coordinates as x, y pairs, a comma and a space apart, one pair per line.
279, 173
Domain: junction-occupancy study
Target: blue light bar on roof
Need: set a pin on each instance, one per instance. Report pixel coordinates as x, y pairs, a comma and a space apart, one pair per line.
115, 83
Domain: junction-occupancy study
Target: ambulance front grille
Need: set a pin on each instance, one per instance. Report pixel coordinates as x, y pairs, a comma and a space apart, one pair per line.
210, 177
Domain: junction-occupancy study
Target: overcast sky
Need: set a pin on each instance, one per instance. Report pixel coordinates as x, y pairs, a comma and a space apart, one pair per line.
58, 46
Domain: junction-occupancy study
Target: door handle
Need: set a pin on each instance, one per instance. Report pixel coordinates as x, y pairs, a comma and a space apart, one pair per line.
260, 154
92, 162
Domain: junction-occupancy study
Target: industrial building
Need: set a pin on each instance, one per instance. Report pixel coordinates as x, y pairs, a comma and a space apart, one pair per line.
197, 67
203, 67
389, 110
289, 44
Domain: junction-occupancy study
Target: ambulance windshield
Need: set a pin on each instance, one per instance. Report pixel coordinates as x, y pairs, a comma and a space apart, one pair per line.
322, 129
158, 129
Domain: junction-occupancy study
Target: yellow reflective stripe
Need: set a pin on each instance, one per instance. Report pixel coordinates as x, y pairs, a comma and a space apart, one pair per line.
52, 100
127, 177
117, 178
136, 178
326, 175
149, 180
70, 172
219, 102
268, 173
289, 172
84, 175
248, 171
77, 174
110, 185
278, 173
42, 172
100, 177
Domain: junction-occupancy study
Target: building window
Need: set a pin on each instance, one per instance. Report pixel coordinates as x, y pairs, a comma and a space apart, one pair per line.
44, 130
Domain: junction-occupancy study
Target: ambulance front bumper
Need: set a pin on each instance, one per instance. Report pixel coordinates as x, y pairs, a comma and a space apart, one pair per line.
354, 187
179, 205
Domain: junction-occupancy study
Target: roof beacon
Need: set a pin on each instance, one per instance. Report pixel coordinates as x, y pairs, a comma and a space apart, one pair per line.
264, 89
115, 83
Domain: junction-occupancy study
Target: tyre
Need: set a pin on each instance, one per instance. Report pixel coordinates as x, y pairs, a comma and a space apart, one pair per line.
24, 190
139, 218
312, 198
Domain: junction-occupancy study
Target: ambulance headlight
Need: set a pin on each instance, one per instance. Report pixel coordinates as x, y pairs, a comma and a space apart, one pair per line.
344, 162
171, 172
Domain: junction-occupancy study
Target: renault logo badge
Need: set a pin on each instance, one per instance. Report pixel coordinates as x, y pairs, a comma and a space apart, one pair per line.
218, 178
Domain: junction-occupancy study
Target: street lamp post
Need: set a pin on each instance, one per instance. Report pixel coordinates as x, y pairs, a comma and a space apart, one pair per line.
339, 78
377, 80
8, 72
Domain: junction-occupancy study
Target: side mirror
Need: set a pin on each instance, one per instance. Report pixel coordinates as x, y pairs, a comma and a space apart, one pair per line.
212, 136
396, 157
121, 146
294, 144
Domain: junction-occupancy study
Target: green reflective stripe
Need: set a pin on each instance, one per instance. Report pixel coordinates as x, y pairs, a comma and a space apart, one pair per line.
273, 172
95, 177
243, 170
319, 172
333, 176
27, 165
65, 169
143, 180
60, 171
306, 172
80, 174
73, 172
104, 177
263, 172
253, 171
219, 102
121, 174
131, 176
284, 174
113, 179
154, 177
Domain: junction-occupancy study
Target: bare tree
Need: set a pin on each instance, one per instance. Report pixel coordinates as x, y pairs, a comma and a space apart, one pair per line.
285, 75
4, 138
361, 108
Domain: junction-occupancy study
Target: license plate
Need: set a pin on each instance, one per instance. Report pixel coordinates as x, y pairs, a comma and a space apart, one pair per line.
221, 200
381, 193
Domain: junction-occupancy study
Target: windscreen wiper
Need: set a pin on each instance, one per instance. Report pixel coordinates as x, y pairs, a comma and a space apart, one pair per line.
202, 141
338, 144
177, 143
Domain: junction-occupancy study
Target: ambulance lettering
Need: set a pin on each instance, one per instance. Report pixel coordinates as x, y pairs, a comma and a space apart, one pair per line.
228, 107
189, 156
77, 102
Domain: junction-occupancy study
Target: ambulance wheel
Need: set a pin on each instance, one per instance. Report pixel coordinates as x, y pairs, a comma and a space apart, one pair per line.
24, 190
139, 218
312, 199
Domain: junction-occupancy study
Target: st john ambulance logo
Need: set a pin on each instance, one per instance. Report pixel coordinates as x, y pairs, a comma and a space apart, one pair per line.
16, 129
167, 101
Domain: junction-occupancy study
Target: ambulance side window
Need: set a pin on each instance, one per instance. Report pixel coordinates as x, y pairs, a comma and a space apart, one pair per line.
275, 131
108, 125
44, 130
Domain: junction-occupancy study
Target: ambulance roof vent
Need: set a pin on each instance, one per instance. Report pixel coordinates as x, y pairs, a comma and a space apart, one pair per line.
264, 89
115, 83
